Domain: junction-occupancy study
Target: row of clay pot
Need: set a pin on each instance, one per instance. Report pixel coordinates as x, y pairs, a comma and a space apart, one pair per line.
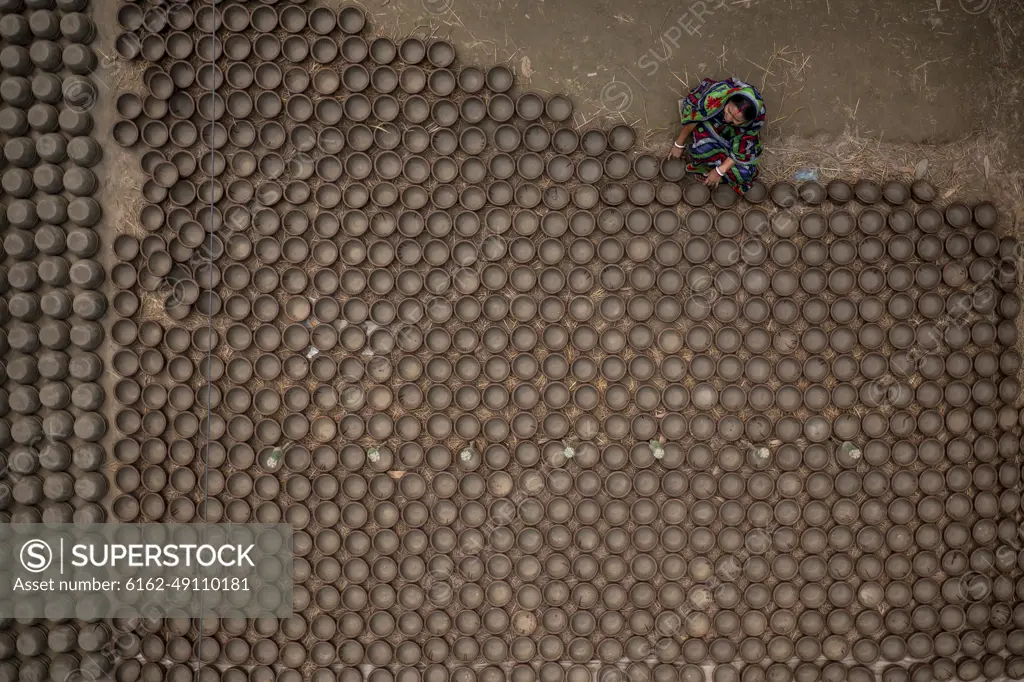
298, 335
32, 104
187, 286
813, 540
725, 251
237, 18
841, 222
148, 125
78, 92
725, 246
706, 300
140, 26
145, 120
45, 24
958, 421
700, 281
614, 457
727, 224
52, 411
244, 196
815, 639
606, 476
893, 193
991, 666
49, 56
355, 78
813, 312
181, 75
832, 303
703, 396
388, 165
229, 636
830, 292
839, 193
328, 334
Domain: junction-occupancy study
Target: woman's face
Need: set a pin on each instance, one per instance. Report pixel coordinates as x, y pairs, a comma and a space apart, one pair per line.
734, 115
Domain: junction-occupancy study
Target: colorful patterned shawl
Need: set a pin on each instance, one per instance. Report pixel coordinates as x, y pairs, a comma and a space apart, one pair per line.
705, 105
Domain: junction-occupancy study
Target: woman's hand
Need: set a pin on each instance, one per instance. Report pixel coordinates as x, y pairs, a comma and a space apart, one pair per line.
680, 142
712, 178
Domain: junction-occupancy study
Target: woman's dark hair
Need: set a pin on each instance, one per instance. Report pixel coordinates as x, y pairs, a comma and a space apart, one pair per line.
746, 107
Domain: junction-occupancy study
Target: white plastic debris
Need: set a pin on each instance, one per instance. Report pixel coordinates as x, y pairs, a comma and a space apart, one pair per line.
657, 449
273, 461
373, 454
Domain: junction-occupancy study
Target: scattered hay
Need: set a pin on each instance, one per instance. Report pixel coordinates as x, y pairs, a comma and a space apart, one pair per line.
128, 204
151, 307
124, 75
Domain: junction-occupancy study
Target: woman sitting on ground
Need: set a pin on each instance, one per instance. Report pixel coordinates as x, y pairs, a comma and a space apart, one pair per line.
725, 120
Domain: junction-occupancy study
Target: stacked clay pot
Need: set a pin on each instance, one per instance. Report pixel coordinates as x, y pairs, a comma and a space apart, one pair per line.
52, 460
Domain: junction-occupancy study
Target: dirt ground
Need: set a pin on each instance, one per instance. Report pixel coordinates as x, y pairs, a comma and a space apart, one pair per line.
853, 89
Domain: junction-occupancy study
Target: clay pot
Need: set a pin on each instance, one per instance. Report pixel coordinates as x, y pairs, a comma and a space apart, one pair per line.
958, 215
895, 193
923, 191
412, 50
696, 194
442, 83
784, 195
325, 81
867, 192
499, 79
812, 193
354, 49
986, 215
440, 53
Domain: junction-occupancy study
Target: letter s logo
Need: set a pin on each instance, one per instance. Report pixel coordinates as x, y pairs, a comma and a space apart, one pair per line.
36, 556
